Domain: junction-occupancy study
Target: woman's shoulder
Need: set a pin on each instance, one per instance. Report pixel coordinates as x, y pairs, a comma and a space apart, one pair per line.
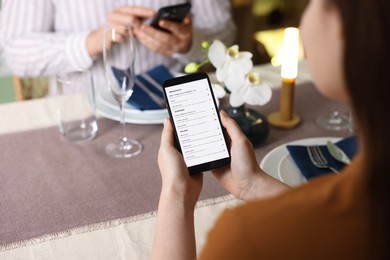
321, 199
303, 221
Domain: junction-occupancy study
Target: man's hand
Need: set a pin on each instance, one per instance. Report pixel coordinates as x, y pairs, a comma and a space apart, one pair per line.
178, 41
119, 19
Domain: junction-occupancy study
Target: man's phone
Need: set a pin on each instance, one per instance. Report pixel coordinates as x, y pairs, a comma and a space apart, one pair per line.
174, 13
199, 134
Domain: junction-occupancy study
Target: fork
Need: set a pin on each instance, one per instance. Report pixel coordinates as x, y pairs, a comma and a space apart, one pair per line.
318, 159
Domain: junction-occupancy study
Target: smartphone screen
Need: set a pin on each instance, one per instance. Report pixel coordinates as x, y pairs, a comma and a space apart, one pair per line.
195, 117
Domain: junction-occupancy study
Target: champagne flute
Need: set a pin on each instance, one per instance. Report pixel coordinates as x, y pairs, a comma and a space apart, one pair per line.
118, 59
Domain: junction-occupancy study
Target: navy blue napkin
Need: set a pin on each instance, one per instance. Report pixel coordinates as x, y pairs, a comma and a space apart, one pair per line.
148, 92
302, 160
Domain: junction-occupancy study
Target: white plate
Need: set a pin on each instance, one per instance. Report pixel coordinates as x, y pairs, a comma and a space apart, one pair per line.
114, 115
279, 164
135, 118
289, 173
106, 99
109, 110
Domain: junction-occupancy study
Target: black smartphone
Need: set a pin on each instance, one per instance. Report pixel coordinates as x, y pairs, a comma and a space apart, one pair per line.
199, 134
174, 13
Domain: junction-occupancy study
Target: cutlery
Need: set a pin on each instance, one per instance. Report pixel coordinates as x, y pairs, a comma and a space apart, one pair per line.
318, 159
337, 153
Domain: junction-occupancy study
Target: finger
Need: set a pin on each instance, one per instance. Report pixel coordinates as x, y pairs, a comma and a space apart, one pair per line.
121, 18
129, 15
153, 43
156, 34
167, 133
197, 177
166, 43
178, 29
142, 12
231, 126
147, 40
116, 32
112, 35
187, 20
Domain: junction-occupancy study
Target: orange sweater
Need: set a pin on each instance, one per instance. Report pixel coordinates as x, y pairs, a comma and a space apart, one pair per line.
325, 219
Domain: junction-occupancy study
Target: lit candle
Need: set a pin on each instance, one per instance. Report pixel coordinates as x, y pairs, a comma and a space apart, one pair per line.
290, 54
285, 118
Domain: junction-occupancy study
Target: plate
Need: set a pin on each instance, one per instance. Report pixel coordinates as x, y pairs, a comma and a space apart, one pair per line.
114, 115
289, 173
105, 98
107, 108
279, 164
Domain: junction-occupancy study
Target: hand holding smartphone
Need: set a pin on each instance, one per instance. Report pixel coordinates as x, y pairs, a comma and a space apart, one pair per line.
199, 134
174, 13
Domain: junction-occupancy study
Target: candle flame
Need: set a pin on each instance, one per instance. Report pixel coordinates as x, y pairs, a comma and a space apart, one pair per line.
290, 53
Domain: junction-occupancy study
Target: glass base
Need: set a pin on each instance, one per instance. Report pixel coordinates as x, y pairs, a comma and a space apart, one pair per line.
126, 149
77, 132
336, 121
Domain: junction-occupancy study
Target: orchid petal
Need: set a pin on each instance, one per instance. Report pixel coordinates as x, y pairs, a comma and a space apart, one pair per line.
243, 65
217, 54
234, 48
223, 72
256, 74
240, 66
246, 55
257, 95
219, 91
236, 99
234, 82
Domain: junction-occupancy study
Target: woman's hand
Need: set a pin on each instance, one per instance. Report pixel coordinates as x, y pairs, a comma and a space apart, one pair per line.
119, 19
178, 41
175, 177
239, 176
174, 233
244, 178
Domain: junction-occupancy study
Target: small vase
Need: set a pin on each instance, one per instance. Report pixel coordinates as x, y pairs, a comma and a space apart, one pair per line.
253, 124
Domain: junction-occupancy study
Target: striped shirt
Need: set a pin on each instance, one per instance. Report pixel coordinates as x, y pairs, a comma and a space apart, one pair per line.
44, 37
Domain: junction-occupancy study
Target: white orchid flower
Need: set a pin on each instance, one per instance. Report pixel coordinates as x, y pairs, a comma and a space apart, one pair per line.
229, 61
219, 92
249, 89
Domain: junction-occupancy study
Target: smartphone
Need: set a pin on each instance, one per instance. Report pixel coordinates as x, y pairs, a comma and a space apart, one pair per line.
174, 13
199, 134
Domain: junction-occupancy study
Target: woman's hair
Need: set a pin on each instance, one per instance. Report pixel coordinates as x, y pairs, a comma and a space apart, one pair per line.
367, 69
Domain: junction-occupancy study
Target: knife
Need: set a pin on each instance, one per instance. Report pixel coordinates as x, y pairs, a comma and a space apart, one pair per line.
337, 153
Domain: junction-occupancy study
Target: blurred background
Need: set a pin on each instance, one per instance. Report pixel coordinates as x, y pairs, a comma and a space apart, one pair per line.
260, 26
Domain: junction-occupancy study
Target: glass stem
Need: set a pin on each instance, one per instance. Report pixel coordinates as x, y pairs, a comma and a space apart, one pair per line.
350, 119
123, 122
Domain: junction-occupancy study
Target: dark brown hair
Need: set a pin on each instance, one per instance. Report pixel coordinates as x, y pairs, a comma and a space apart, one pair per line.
367, 70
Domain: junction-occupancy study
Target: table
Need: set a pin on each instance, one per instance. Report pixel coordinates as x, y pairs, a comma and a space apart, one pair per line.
67, 201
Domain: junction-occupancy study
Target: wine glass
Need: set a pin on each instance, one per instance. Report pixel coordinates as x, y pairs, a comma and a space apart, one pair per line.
118, 59
336, 121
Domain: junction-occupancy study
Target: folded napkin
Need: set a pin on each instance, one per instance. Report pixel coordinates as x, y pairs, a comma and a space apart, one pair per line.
148, 92
302, 160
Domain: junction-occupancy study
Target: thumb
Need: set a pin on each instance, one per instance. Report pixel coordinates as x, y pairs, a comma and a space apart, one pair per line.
167, 133
233, 130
